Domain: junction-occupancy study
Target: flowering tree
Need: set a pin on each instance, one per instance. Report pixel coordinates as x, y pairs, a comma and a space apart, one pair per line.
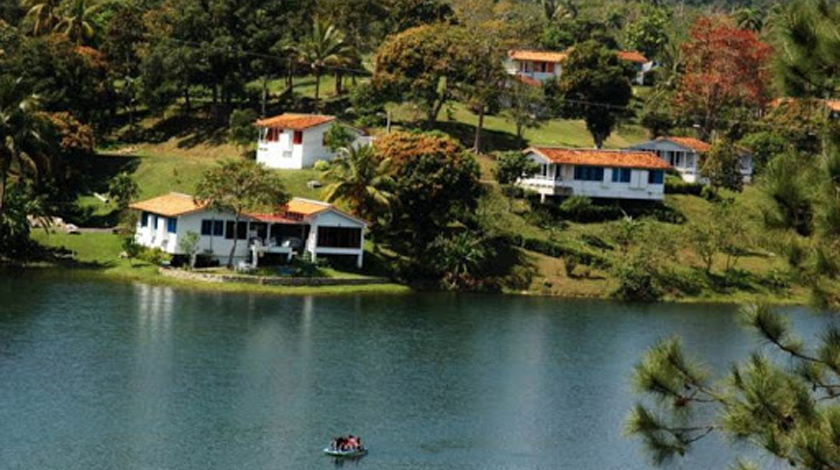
726, 72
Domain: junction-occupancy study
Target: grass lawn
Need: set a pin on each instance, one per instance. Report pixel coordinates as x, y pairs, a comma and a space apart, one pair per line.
97, 255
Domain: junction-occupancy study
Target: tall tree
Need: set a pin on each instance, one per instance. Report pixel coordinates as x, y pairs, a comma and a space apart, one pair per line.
725, 75
785, 408
43, 14
421, 65
239, 185
22, 142
483, 77
808, 58
79, 22
595, 86
360, 180
525, 107
436, 183
324, 47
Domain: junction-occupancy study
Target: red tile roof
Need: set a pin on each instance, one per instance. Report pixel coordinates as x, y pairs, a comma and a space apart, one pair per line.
537, 56
272, 218
592, 157
295, 122
169, 205
633, 56
688, 142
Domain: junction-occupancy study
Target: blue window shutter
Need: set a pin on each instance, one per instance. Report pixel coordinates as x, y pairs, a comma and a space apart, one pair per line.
219, 228
144, 219
615, 175
578, 173
206, 227
172, 225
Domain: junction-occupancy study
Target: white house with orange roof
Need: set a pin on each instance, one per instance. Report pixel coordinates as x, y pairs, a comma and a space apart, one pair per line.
685, 154
295, 141
532, 67
301, 226
608, 174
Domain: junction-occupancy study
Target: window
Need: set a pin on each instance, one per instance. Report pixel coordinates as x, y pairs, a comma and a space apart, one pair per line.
339, 237
212, 227
589, 173
241, 230
621, 175
172, 225
144, 219
272, 134
549, 67
298, 137
656, 177
153, 220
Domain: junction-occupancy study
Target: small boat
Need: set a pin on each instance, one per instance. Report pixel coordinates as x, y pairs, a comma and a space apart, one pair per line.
345, 453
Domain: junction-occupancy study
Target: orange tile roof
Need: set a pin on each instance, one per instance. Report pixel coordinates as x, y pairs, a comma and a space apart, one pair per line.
169, 205
537, 56
609, 158
307, 207
295, 122
688, 142
633, 56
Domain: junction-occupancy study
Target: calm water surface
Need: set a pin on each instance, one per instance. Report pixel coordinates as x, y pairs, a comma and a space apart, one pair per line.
121, 376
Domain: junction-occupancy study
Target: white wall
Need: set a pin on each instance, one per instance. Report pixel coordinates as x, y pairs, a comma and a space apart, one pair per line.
285, 155
280, 154
334, 219
638, 188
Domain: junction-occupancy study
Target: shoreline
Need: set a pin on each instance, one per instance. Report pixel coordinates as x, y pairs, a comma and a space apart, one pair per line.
149, 274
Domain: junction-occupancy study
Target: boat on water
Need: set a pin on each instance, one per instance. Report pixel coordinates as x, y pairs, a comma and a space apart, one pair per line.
346, 446
345, 453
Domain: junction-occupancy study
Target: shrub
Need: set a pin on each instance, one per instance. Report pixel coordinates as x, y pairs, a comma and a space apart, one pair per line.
675, 185
321, 165
636, 283
154, 256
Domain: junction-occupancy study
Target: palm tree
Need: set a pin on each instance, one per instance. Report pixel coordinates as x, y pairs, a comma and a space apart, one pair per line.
21, 131
43, 14
325, 47
750, 18
361, 180
78, 25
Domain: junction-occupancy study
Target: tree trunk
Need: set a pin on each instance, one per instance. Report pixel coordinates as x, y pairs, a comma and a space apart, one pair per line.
520, 134
317, 88
599, 141
264, 95
235, 239
477, 142
4, 170
338, 86
187, 102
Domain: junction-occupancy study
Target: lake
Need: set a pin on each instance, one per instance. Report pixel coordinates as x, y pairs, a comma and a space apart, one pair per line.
131, 376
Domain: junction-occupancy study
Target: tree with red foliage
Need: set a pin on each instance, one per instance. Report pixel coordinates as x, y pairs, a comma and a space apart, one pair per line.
726, 74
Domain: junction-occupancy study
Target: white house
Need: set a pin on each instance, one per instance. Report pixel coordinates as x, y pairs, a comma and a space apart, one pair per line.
301, 226
536, 65
610, 174
685, 155
295, 141
532, 67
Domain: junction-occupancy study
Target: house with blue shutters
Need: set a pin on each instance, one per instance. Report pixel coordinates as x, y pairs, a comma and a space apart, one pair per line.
301, 226
596, 173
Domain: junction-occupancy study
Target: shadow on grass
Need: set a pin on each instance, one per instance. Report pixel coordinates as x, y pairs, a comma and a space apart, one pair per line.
492, 140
